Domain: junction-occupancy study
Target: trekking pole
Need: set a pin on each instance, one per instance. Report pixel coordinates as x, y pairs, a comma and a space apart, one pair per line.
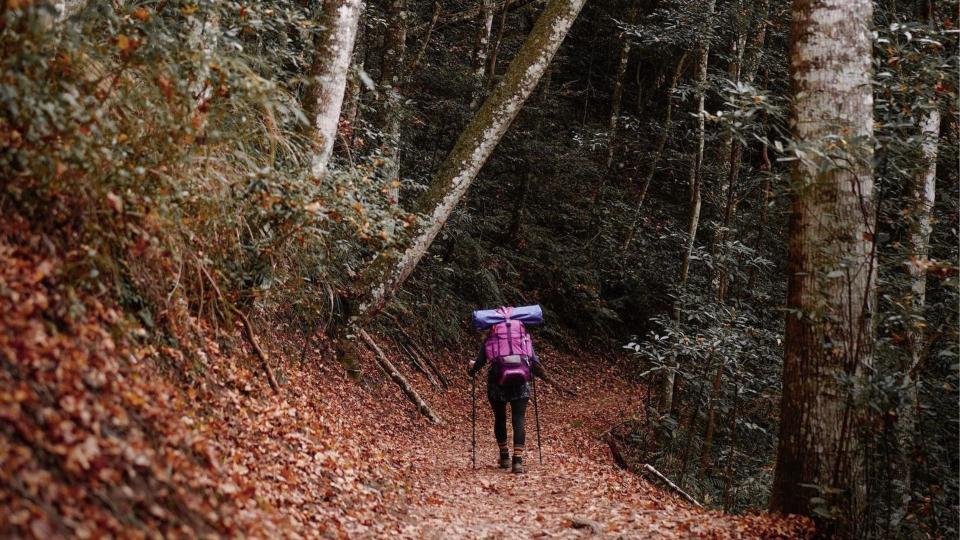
473, 393
536, 415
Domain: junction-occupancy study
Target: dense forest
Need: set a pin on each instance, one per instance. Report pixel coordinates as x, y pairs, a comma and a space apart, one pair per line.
241, 243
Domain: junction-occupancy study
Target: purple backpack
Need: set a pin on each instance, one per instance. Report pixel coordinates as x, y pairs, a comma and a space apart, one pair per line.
508, 346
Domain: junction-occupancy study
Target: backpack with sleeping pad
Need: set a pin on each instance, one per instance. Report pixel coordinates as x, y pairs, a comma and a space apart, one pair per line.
508, 346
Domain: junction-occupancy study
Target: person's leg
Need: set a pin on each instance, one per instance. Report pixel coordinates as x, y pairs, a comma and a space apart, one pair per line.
500, 430
518, 413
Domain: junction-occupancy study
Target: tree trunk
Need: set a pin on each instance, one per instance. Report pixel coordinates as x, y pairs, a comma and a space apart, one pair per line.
692, 415
328, 76
744, 66
495, 50
753, 51
658, 152
638, 78
660, 476
350, 112
385, 276
693, 221
696, 165
734, 68
766, 195
728, 466
726, 222
391, 76
426, 42
712, 399
480, 50
418, 351
831, 265
472, 13
519, 208
617, 98
922, 195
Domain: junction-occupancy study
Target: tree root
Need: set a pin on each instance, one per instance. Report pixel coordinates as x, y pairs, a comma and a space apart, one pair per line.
418, 353
261, 354
398, 378
417, 363
658, 475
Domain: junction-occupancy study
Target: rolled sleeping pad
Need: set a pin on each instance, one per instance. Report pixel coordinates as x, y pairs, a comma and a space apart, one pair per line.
485, 318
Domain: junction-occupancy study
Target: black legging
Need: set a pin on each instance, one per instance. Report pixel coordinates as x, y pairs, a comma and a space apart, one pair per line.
518, 411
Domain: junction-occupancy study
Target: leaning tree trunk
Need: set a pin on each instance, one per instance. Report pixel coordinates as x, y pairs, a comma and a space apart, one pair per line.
328, 74
693, 221
384, 277
829, 338
391, 75
922, 195
422, 406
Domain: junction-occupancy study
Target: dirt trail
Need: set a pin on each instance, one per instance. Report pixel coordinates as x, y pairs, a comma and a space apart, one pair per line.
577, 491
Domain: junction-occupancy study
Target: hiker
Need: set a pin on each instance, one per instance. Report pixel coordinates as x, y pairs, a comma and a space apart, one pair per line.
513, 364
517, 394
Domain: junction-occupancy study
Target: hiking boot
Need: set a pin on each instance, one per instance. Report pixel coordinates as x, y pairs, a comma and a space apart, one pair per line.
518, 465
504, 459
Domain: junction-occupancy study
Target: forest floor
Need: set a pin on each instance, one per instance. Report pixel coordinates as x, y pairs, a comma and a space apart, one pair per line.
103, 432
578, 491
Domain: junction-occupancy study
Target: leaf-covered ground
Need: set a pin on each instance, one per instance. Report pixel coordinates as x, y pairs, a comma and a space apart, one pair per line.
102, 433
577, 491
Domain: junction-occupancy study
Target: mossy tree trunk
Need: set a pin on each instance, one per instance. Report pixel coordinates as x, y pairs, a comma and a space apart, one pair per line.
388, 272
391, 76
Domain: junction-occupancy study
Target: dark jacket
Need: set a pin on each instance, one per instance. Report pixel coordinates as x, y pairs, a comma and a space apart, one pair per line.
506, 392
